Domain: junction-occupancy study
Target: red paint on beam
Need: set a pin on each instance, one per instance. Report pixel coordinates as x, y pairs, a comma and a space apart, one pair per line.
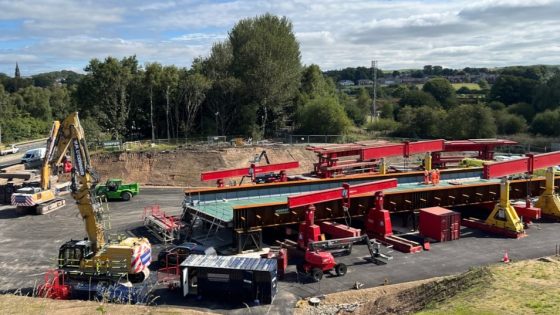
423, 147
382, 151
371, 187
220, 174
504, 168
314, 197
545, 160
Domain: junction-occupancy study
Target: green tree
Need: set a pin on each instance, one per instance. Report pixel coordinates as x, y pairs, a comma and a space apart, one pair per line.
495, 105
364, 102
442, 91
194, 88
546, 123
105, 92
152, 82
510, 89
36, 102
323, 115
420, 122
547, 95
60, 102
418, 99
470, 121
522, 109
509, 124
266, 58
170, 84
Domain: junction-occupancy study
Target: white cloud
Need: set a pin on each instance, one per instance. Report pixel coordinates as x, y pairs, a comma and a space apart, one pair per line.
332, 33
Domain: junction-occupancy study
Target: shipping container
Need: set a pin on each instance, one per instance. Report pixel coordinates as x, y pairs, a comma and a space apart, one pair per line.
230, 277
440, 224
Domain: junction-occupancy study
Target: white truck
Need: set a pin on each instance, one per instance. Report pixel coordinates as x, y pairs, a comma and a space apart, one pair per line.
10, 149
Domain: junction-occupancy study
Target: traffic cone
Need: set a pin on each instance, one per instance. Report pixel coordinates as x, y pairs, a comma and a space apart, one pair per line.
505, 260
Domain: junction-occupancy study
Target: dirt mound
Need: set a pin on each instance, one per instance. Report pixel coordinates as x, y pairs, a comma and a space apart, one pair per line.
402, 298
183, 167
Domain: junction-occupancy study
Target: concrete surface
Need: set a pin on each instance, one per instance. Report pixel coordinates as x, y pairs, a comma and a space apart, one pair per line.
12, 159
29, 244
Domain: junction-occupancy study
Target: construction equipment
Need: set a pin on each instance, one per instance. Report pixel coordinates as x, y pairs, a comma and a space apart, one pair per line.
319, 259
504, 219
115, 189
41, 199
95, 258
164, 227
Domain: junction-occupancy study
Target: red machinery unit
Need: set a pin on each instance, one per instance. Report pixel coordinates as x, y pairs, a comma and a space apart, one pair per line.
378, 225
55, 286
252, 172
440, 224
309, 231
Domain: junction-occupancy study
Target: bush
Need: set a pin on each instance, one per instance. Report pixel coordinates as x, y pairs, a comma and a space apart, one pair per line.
546, 123
421, 122
470, 121
522, 109
323, 115
509, 124
383, 125
418, 99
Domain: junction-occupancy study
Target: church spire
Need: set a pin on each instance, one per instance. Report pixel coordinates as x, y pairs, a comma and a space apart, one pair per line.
17, 74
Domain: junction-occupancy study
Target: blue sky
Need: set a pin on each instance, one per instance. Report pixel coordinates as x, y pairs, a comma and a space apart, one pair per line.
47, 35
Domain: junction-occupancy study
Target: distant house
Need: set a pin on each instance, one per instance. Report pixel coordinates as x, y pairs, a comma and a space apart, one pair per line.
346, 83
365, 82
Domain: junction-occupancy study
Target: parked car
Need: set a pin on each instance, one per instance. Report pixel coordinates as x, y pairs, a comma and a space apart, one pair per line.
177, 253
34, 157
115, 189
10, 149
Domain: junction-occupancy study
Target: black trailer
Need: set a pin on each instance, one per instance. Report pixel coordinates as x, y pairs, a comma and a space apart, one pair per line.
230, 277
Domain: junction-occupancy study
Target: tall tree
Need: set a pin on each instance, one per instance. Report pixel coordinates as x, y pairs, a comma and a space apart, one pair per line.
193, 90
442, 91
105, 92
152, 78
169, 82
266, 58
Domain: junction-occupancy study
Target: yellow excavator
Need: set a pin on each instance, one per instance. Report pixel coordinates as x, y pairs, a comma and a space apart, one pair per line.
41, 199
94, 258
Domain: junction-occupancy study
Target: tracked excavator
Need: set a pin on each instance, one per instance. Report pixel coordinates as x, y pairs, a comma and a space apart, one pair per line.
94, 258
42, 199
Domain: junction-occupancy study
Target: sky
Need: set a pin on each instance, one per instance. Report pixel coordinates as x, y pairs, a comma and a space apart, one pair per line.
49, 35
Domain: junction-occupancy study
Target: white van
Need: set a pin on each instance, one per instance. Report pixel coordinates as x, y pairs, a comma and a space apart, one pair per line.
33, 155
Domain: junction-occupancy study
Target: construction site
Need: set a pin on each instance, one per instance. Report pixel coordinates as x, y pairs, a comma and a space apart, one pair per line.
274, 228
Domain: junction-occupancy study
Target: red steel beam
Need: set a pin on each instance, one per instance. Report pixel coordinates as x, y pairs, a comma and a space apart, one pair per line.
275, 167
504, 168
221, 174
371, 187
339, 193
545, 160
382, 151
423, 147
315, 197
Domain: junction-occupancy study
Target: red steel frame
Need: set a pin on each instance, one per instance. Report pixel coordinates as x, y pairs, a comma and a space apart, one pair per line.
484, 147
527, 164
343, 193
252, 170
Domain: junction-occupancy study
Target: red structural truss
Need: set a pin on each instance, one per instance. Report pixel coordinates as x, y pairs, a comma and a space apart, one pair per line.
366, 156
484, 148
526, 164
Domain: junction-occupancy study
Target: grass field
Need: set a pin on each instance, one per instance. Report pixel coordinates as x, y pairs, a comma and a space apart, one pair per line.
526, 287
470, 86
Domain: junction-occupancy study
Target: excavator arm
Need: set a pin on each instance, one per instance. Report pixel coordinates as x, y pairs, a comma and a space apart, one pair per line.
69, 135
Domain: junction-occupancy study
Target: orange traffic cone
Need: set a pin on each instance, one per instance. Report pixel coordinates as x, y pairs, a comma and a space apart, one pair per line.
506, 258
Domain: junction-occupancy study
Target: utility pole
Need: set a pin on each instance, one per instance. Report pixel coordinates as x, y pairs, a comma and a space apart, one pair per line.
374, 70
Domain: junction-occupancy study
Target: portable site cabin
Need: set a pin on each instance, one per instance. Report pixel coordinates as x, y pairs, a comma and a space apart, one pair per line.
236, 278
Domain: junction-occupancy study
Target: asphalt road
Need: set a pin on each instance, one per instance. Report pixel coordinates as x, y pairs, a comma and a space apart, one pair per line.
29, 244
11, 159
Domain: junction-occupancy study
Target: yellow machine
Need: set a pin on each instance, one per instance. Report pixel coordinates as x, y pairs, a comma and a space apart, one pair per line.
42, 199
549, 201
94, 258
